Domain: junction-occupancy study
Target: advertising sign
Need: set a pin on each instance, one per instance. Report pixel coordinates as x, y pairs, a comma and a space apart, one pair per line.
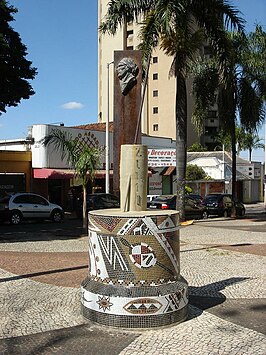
161, 157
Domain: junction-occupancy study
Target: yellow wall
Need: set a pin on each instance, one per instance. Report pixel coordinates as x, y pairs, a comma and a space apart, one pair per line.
16, 162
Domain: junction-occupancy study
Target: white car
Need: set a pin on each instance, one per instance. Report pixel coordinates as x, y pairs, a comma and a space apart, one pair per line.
151, 197
25, 205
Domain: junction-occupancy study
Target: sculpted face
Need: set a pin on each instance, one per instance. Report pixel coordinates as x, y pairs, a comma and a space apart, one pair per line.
127, 72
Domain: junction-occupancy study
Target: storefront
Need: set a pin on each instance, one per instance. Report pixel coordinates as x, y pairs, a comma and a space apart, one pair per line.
15, 171
42, 170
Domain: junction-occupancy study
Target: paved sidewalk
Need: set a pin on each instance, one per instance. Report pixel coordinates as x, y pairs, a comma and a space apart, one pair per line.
224, 262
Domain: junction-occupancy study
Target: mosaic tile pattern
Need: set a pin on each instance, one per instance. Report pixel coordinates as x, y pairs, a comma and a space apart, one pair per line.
136, 321
134, 270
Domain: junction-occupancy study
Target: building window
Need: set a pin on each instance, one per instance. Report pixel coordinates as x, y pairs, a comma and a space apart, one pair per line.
155, 60
212, 114
155, 76
210, 131
155, 93
129, 33
156, 127
155, 109
207, 51
130, 36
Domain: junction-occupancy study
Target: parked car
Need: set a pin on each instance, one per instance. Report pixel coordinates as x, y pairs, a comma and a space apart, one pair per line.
222, 205
193, 209
25, 205
151, 197
196, 197
97, 201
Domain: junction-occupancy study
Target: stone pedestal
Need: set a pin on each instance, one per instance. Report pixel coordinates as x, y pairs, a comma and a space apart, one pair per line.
134, 270
133, 177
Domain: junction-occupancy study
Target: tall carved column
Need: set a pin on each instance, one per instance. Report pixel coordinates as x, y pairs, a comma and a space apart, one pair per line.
127, 99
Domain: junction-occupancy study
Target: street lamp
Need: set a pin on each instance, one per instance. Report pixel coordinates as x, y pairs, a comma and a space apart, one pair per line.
107, 172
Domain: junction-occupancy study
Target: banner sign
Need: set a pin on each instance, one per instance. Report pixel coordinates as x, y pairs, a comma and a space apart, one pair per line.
161, 157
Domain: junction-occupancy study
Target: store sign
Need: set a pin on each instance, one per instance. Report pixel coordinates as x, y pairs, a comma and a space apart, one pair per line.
155, 183
161, 157
12, 183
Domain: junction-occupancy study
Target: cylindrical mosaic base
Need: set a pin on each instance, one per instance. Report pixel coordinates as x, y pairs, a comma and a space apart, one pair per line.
134, 270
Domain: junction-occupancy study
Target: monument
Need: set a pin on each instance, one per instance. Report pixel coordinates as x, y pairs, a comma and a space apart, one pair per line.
134, 276
127, 100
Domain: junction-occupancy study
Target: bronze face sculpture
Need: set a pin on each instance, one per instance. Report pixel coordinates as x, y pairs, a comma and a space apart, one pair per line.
127, 72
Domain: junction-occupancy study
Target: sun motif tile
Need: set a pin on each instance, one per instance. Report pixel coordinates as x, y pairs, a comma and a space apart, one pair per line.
142, 256
104, 303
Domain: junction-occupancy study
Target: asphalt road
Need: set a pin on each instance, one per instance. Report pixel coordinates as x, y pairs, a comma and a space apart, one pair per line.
45, 230
72, 227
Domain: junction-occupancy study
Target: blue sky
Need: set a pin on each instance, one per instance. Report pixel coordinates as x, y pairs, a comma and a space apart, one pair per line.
61, 38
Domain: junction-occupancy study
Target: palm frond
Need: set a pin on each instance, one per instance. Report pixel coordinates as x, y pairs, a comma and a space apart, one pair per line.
250, 105
226, 107
88, 161
204, 89
122, 11
221, 13
62, 142
148, 36
184, 47
214, 17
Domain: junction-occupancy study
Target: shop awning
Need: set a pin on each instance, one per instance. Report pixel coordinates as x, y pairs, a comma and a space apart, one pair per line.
168, 171
45, 173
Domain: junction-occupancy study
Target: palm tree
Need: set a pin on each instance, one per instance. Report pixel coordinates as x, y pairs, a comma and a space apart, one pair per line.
255, 59
244, 141
171, 25
240, 89
252, 141
82, 158
225, 141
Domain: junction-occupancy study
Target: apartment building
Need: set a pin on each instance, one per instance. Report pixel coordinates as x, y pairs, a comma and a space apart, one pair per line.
158, 115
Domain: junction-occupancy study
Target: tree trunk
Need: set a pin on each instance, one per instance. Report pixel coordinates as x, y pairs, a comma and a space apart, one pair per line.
250, 154
234, 165
84, 206
232, 111
181, 143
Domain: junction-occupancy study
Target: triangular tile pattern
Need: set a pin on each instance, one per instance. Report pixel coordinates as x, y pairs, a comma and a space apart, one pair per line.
107, 223
143, 306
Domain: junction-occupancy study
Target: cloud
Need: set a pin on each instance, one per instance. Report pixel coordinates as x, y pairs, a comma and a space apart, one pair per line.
72, 105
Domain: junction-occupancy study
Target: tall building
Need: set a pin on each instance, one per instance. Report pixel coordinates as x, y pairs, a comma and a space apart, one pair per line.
158, 115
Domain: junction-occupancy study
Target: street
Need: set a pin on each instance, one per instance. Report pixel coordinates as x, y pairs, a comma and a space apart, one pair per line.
223, 260
44, 230
72, 226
